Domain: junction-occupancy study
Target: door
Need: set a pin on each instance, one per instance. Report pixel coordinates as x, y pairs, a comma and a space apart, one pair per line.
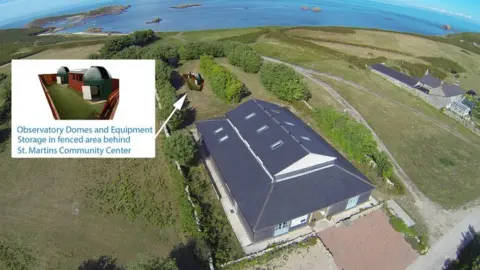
281, 228
352, 202
87, 95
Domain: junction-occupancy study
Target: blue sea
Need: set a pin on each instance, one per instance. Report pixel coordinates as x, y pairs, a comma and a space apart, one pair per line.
215, 14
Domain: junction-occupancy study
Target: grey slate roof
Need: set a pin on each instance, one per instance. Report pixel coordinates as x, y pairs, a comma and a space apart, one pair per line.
410, 81
250, 184
452, 90
431, 81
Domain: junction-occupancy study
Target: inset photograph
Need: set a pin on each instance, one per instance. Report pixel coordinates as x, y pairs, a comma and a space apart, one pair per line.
81, 93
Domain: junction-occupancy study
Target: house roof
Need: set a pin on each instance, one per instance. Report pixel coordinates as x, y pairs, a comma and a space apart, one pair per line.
252, 169
452, 90
431, 81
410, 81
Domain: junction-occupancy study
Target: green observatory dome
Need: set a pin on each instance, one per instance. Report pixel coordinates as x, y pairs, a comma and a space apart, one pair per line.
62, 72
98, 78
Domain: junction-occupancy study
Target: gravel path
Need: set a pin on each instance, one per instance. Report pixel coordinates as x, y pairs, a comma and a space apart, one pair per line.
438, 220
446, 247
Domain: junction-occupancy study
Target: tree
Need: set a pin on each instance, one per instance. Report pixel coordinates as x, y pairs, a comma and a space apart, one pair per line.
243, 56
152, 264
180, 147
132, 52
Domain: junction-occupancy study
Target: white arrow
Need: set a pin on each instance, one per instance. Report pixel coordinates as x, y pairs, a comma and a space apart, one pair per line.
177, 106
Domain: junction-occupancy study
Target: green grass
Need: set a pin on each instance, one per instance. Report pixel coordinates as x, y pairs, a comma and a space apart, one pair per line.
70, 103
47, 211
422, 149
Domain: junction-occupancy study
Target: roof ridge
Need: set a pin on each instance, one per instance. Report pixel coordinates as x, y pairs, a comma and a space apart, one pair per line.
263, 206
349, 172
280, 124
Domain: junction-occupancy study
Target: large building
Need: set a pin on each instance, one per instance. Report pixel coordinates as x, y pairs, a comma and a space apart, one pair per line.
277, 170
433, 90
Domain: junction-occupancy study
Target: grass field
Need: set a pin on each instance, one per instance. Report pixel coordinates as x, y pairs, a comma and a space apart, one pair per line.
60, 53
70, 103
431, 156
46, 211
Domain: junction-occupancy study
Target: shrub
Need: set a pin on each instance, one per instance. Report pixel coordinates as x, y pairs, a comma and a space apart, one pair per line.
384, 166
243, 56
224, 83
163, 72
284, 82
181, 147
168, 97
152, 264
193, 50
13, 256
132, 52
116, 45
162, 52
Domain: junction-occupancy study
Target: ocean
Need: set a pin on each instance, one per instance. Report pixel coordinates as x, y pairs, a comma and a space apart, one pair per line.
216, 14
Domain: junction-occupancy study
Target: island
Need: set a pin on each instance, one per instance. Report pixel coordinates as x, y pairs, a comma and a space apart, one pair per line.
446, 27
156, 20
182, 6
304, 8
76, 19
316, 9
94, 30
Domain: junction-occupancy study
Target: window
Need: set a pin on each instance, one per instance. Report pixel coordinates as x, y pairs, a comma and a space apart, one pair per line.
305, 138
223, 138
276, 145
262, 129
288, 123
249, 116
218, 130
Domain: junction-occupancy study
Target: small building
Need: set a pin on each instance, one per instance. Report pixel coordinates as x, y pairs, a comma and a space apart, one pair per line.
277, 171
459, 108
97, 82
62, 75
394, 76
75, 79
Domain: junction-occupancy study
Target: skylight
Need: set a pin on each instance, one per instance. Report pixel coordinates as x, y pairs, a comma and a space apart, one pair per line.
275, 111
223, 138
249, 116
288, 123
305, 138
218, 130
276, 145
262, 129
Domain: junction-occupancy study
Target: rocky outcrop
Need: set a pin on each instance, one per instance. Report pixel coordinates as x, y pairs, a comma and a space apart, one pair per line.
156, 20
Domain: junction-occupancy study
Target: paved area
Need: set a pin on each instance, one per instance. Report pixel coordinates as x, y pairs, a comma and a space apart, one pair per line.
312, 258
368, 243
446, 247
398, 211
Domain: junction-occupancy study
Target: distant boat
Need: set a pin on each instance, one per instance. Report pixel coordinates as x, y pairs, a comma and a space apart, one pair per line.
304, 8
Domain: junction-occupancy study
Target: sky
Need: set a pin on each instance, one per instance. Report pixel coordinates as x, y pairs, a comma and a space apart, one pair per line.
12, 10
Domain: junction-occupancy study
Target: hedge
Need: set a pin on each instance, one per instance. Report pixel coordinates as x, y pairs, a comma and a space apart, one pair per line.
116, 45
284, 82
224, 83
353, 138
193, 50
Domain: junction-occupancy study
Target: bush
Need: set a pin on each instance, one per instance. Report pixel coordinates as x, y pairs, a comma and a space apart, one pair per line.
243, 56
162, 52
193, 50
168, 97
284, 82
152, 264
116, 45
132, 52
353, 138
181, 147
384, 167
224, 83
163, 72
13, 256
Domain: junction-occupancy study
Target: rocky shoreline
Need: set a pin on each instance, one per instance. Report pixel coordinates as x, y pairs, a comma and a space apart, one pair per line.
186, 6
77, 19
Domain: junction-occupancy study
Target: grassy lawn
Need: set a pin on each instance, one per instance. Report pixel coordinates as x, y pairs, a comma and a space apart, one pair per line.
70, 103
46, 208
445, 168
